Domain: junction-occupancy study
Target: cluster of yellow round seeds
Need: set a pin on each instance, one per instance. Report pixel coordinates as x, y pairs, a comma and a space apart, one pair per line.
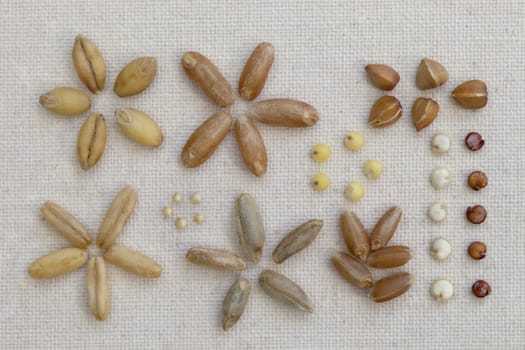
181, 222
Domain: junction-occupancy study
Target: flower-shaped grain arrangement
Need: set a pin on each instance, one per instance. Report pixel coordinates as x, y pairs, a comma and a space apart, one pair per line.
69, 259
134, 78
252, 237
278, 112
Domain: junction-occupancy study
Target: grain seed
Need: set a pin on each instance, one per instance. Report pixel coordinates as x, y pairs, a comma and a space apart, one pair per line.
442, 290
389, 257
207, 76
386, 111
89, 64
283, 112
136, 76
353, 270
391, 287
139, 127
65, 223
98, 291
250, 226
205, 139
424, 111
471, 94
297, 240
235, 302
281, 287
430, 74
385, 228
133, 261
355, 235
255, 72
58, 263
91, 140
251, 145
65, 101
116, 217
382, 76
217, 258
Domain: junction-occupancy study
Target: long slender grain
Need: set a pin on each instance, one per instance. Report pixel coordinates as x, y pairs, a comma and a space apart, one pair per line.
250, 226
389, 257
235, 302
281, 287
353, 270
391, 287
216, 258
65, 223
355, 235
298, 239
385, 228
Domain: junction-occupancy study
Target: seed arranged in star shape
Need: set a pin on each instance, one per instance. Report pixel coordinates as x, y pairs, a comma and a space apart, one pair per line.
252, 237
134, 78
69, 259
277, 112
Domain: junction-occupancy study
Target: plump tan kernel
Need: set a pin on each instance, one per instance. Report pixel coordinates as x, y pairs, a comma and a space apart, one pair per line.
283, 112
65, 101
235, 302
255, 72
167, 212
354, 141
476, 214
441, 248
320, 152
424, 111
136, 76
181, 223
389, 257
386, 111
477, 250
354, 191
281, 287
440, 143
116, 217
373, 169
353, 270
205, 139
251, 145
133, 261
89, 64
477, 180
320, 181
198, 218
391, 287
65, 223
385, 228
471, 94
440, 177
430, 74
355, 235
206, 75
58, 263
139, 127
437, 211
216, 258
98, 290
250, 226
382, 76
442, 290
91, 140
297, 240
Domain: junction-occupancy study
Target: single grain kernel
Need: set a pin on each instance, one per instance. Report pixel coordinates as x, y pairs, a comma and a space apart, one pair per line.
471, 94
250, 226
135, 77
65, 101
437, 211
355, 235
382, 76
353, 270
373, 169
424, 111
354, 191
65, 223
235, 302
89, 64
440, 178
198, 218
91, 140
320, 182
296, 240
440, 249
391, 287
481, 289
196, 198
385, 228
216, 258
474, 141
133, 261
386, 111
442, 290
283, 112
255, 72
389, 257
181, 223
281, 287
440, 143
167, 212
477, 180
476, 214
354, 141
58, 263
477, 250
98, 291
176, 198
251, 145
139, 127
430, 74
320, 152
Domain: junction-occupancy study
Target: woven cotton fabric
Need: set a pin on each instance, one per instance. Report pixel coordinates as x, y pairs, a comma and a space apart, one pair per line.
321, 50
